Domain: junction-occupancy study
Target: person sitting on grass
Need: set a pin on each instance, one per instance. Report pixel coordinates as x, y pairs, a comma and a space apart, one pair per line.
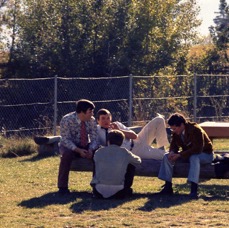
111, 164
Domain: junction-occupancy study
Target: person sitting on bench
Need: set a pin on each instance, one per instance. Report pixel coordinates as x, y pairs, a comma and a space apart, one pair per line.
111, 164
139, 144
78, 132
196, 147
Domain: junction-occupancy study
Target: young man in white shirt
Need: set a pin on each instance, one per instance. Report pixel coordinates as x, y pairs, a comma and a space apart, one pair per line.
141, 143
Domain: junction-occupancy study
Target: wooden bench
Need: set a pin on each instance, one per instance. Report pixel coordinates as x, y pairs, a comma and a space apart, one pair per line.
47, 145
216, 130
150, 168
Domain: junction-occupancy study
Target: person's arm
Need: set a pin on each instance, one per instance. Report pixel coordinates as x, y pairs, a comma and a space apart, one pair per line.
129, 134
195, 143
66, 139
94, 144
134, 159
173, 149
173, 145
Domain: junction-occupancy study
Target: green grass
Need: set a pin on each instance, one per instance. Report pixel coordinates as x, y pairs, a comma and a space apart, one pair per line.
28, 199
16, 147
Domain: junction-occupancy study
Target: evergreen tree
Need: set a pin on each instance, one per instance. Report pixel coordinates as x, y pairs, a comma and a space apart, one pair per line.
220, 32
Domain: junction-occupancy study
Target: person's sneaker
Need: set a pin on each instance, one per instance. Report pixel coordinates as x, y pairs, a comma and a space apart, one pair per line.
166, 191
63, 191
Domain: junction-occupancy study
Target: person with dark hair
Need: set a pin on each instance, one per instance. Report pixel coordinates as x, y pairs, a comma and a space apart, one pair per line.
141, 143
189, 142
111, 163
78, 132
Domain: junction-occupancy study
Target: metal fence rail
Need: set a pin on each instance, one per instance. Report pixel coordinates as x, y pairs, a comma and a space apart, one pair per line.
35, 106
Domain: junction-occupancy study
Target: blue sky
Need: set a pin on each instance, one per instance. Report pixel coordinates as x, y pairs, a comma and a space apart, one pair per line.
208, 7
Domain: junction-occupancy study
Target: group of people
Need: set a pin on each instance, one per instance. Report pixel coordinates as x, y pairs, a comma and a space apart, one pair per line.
116, 149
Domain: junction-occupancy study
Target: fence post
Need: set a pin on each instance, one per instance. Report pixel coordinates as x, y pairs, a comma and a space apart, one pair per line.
55, 105
195, 97
130, 99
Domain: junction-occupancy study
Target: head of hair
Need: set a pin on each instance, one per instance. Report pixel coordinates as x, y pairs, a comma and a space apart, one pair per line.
83, 105
115, 137
101, 112
176, 119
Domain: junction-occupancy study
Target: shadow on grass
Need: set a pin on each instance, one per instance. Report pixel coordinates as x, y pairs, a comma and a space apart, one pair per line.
164, 201
207, 193
53, 198
211, 191
38, 157
152, 203
83, 201
95, 204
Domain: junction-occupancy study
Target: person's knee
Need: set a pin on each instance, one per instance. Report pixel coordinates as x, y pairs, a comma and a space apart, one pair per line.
165, 159
166, 156
67, 155
194, 159
159, 119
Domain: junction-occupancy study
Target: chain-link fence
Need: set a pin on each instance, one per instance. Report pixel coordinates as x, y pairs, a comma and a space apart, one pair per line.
35, 106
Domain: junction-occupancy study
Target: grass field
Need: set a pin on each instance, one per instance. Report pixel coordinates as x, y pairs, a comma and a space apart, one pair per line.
28, 199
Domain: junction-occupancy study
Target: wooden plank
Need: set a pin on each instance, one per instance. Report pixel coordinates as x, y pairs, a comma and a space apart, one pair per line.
216, 129
41, 140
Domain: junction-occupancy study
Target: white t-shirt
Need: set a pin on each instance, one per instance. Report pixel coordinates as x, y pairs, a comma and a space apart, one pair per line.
101, 135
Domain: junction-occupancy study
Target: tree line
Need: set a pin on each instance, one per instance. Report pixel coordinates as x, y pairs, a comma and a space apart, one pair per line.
95, 38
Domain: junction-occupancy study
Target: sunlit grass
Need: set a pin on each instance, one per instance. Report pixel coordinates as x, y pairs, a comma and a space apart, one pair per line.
28, 199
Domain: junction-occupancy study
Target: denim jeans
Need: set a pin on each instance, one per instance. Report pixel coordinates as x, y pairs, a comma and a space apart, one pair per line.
195, 160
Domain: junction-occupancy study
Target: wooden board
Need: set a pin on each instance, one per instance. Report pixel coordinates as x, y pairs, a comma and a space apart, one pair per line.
216, 129
41, 140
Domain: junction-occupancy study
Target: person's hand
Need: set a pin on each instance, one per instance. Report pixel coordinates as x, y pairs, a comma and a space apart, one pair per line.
170, 155
82, 152
114, 126
173, 156
89, 154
